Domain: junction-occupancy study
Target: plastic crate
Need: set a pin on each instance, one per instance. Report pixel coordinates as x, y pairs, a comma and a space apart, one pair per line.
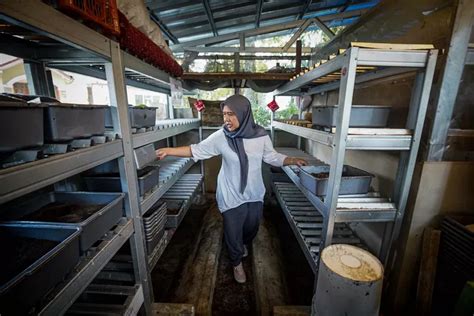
101, 12
141, 46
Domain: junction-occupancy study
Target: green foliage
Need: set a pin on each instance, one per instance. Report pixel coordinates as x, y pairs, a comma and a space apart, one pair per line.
226, 65
261, 115
288, 112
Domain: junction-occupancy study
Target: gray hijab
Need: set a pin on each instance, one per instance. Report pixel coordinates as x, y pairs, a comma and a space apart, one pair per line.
240, 105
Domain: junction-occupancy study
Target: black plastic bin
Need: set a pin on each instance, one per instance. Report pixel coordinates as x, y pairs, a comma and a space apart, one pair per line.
53, 251
95, 213
148, 178
139, 118
353, 181
361, 115
65, 122
175, 212
21, 124
33, 98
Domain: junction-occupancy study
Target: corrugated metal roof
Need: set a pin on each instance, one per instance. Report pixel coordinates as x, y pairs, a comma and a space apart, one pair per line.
189, 20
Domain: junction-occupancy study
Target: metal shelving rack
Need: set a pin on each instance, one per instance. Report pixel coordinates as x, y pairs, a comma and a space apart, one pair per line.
76, 47
185, 188
356, 65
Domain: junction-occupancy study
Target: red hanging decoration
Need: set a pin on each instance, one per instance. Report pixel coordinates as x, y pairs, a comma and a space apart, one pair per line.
273, 105
199, 105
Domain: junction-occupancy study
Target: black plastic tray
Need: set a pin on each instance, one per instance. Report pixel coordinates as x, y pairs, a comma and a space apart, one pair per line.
173, 220
15, 136
361, 115
23, 291
353, 181
139, 118
111, 182
152, 243
93, 227
64, 122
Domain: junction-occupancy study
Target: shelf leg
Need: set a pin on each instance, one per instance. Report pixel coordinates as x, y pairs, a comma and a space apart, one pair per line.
128, 175
406, 164
338, 153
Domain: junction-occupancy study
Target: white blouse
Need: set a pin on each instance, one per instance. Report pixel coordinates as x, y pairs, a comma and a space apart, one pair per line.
228, 194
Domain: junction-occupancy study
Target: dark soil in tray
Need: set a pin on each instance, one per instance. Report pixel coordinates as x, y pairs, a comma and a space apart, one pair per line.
19, 253
321, 175
144, 171
63, 213
325, 175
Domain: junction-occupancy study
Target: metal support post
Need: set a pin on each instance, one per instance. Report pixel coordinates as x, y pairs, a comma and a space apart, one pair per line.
203, 185
50, 84
298, 56
451, 79
300, 117
170, 112
272, 129
37, 79
407, 162
348, 73
236, 62
128, 175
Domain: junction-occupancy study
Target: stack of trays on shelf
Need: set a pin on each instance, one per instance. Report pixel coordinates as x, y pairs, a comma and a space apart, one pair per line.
106, 177
36, 257
353, 181
140, 117
361, 116
29, 122
65, 121
455, 261
154, 223
309, 223
13, 111
458, 243
175, 212
44, 236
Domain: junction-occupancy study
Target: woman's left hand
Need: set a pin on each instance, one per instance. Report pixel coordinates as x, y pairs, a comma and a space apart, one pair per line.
295, 161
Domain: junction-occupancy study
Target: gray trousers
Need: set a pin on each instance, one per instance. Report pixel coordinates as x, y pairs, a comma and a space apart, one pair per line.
241, 227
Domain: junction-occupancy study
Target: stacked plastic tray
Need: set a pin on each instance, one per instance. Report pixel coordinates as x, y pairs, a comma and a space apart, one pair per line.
154, 223
353, 181
455, 263
106, 177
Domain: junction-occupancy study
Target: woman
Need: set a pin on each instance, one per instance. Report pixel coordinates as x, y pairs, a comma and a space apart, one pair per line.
240, 190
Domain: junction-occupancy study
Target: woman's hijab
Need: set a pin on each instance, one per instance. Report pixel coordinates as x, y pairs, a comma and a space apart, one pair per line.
240, 105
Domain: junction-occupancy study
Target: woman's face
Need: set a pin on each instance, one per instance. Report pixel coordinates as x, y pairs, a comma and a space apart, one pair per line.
230, 119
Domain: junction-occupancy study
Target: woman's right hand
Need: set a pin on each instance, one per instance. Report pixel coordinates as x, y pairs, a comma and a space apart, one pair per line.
162, 153
184, 151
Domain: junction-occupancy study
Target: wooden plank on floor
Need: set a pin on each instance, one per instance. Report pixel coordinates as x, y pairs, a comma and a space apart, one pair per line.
270, 289
427, 274
171, 309
197, 284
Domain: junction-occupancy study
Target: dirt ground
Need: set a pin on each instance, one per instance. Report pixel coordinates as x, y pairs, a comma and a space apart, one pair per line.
228, 297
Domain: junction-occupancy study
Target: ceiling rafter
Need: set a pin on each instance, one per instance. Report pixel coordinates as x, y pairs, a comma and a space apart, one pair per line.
305, 9
324, 28
163, 27
235, 17
297, 34
263, 30
207, 8
259, 13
